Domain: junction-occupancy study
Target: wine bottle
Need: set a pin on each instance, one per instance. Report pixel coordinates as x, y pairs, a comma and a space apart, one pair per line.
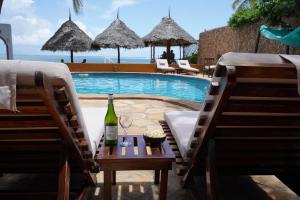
110, 124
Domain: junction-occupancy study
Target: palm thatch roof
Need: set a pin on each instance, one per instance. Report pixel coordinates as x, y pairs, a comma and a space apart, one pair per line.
118, 35
168, 32
69, 37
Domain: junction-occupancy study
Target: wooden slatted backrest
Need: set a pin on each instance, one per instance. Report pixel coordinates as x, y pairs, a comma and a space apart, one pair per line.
45, 127
252, 113
259, 127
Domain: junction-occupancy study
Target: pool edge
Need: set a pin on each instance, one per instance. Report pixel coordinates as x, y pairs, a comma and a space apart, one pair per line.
180, 102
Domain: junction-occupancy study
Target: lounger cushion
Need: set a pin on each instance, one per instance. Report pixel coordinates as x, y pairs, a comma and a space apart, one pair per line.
57, 73
94, 121
8, 79
183, 126
189, 69
162, 64
184, 64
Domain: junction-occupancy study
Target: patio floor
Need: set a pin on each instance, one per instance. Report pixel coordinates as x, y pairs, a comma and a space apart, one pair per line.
139, 184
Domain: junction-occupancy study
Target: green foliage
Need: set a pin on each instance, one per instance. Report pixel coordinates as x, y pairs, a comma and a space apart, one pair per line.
271, 11
193, 58
244, 16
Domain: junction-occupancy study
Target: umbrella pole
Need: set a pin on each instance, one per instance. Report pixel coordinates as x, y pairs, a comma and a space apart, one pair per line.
287, 50
168, 53
179, 52
151, 55
118, 54
71, 56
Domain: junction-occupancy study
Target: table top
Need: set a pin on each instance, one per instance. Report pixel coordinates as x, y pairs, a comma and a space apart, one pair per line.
136, 151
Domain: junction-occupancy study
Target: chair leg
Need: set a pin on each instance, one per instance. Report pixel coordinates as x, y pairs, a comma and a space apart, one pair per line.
156, 177
211, 172
64, 180
114, 177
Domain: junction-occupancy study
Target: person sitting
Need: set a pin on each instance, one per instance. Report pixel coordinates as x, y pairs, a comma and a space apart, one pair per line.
172, 58
163, 55
83, 61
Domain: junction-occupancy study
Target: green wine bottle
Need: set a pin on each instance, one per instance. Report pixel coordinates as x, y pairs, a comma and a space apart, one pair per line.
110, 124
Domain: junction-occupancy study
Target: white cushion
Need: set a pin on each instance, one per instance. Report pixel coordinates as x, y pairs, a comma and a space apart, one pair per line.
8, 80
57, 73
163, 65
94, 122
184, 64
183, 125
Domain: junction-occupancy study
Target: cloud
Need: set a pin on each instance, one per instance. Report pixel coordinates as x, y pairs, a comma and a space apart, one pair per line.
117, 4
12, 7
27, 28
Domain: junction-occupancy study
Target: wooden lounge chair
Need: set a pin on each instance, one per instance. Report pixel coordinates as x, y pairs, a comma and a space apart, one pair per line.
49, 134
249, 123
162, 65
185, 65
209, 66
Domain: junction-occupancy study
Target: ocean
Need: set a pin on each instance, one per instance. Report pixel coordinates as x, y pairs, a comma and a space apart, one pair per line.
89, 59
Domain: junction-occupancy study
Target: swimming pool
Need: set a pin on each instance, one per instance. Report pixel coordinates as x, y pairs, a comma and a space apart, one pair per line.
181, 87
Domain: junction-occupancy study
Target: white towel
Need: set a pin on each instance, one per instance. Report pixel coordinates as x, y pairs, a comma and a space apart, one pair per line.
295, 59
8, 81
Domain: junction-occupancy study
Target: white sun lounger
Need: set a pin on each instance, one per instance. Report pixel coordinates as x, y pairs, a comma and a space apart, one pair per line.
183, 125
162, 65
185, 65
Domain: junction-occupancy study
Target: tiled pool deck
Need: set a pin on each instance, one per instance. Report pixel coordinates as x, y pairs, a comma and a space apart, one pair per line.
139, 184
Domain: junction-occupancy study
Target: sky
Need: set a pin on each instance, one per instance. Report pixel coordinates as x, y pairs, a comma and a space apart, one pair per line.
35, 21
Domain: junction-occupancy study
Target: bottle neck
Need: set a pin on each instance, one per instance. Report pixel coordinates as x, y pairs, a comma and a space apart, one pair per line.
110, 101
111, 107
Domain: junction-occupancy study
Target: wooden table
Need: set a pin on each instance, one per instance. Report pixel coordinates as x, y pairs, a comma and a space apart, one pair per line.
138, 156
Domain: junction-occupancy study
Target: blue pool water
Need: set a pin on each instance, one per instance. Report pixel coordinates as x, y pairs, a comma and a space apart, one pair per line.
193, 89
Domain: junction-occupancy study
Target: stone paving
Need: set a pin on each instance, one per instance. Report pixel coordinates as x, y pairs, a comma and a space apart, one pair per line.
145, 113
139, 184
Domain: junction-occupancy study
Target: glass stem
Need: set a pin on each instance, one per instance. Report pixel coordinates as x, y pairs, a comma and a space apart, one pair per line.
125, 131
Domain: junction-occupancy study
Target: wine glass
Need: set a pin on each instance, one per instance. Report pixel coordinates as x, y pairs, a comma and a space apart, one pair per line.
125, 121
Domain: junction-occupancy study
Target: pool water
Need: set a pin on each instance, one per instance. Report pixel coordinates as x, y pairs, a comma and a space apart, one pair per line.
188, 88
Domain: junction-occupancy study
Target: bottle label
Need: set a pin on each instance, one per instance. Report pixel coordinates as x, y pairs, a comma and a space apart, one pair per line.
111, 132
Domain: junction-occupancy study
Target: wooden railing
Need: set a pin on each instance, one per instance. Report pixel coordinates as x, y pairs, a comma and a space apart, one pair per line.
112, 67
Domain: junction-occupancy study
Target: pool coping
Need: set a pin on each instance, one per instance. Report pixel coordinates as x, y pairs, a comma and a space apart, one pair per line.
197, 76
179, 102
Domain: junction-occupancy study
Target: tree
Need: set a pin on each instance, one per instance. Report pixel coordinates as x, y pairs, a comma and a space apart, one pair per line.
272, 12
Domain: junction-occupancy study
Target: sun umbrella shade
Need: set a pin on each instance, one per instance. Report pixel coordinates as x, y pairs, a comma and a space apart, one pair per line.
69, 37
168, 32
290, 38
118, 35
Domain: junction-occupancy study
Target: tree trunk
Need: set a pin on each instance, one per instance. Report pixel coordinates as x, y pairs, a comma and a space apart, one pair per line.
257, 42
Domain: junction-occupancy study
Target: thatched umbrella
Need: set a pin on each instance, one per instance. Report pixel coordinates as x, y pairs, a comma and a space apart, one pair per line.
168, 33
118, 35
69, 37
